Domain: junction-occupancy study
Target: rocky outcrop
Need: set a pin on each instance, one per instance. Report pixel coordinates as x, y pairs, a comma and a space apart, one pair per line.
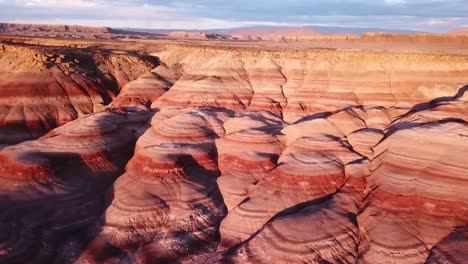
450, 249
301, 84
142, 92
167, 203
53, 188
415, 192
45, 87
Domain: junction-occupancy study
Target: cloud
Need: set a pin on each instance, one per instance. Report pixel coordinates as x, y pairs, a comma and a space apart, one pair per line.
425, 15
62, 3
394, 2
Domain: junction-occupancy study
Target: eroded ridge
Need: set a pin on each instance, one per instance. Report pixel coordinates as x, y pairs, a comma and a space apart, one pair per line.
224, 155
43, 87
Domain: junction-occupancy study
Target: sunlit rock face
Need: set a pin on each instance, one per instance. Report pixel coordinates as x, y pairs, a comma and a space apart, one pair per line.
53, 187
237, 155
43, 87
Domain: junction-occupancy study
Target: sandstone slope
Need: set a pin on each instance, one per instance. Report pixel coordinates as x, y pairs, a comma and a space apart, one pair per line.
45, 87
239, 155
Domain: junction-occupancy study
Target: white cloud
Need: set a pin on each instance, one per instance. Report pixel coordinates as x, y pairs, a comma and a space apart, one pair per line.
62, 3
451, 21
51, 3
394, 2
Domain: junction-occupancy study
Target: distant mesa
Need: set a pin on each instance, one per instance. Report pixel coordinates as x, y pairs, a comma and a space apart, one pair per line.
194, 35
306, 33
459, 39
273, 33
253, 33
15, 28
459, 31
187, 35
73, 31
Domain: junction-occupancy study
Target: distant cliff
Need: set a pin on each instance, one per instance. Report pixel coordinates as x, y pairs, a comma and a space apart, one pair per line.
35, 28
459, 31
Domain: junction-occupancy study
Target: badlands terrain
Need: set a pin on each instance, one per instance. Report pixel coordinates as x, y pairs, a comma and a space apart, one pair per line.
333, 150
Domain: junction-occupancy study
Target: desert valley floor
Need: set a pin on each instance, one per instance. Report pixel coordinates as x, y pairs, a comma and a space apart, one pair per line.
159, 151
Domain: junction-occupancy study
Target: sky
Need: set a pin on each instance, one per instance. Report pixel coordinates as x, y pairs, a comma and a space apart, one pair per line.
422, 15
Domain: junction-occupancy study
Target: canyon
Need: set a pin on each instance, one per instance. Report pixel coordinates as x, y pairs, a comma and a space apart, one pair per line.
166, 151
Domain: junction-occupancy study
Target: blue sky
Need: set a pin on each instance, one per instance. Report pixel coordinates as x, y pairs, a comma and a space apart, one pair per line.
425, 15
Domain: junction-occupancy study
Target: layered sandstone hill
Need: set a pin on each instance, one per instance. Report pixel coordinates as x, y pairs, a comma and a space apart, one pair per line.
45, 87
297, 84
238, 155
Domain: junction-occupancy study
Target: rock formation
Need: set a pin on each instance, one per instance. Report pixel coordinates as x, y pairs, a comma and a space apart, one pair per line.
25, 28
45, 87
53, 187
251, 155
436, 40
274, 33
186, 35
459, 31
69, 31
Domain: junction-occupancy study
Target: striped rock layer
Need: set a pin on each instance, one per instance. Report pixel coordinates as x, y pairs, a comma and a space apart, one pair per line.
235, 155
43, 87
